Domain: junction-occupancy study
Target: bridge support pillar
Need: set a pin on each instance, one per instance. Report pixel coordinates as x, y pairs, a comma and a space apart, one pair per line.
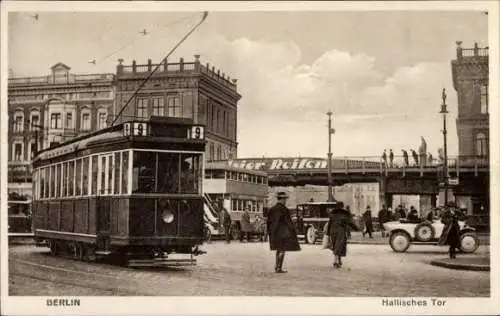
425, 204
384, 197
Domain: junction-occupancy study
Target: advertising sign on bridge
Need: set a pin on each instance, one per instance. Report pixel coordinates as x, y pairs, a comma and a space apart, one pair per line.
299, 164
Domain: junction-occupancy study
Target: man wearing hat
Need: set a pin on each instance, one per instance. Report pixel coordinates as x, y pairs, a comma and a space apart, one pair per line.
451, 231
367, 219
282, 234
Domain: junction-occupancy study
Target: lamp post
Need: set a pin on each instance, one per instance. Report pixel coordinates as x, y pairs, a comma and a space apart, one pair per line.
330, 132
444, 111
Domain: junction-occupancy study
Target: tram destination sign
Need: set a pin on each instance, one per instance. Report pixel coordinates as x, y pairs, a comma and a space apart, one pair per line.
164, 130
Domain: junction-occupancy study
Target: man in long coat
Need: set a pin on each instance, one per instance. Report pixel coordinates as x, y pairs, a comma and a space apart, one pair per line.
246, 226
383, 217
367, 219
451, 231
282, 234
338, 225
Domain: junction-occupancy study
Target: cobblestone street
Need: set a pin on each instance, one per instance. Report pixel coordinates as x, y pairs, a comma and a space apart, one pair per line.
247, 269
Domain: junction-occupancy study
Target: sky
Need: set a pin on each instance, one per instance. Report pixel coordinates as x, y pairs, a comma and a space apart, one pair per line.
380, 72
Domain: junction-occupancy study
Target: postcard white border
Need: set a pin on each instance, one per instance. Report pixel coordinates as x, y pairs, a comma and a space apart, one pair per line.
255, 305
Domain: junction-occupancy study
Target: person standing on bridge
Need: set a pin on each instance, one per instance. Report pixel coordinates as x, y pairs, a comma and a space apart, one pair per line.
391, 158
282, 234
415, 156
405, 157
430, 160
384, 159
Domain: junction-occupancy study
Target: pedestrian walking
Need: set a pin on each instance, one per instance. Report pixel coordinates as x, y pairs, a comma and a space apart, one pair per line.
391, 158
282, 234
405, 157
226, 224
339, 223
367, 219
384, 158
383, 217
246, 226
450, 235
415, 156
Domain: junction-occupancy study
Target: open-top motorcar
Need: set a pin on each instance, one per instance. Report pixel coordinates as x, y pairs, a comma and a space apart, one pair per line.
310, 219
404, 232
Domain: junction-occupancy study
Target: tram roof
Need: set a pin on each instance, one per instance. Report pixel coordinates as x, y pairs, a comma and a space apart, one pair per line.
222, 165
112, 132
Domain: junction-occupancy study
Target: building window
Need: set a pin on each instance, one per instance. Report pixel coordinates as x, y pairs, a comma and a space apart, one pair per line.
35, 121
18, 123
101, 117
481, 145
484, 99
174, 106
212, 152
85, 124
142, 107
55, 121
158, 106
69, 120
18, 151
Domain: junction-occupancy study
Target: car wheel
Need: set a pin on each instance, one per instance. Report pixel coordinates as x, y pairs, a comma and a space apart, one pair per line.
424, 232
311, 235
469, 242
399, 241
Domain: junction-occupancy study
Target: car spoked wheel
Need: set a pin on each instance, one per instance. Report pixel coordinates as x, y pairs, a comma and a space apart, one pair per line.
469, 242
399, 241
311, 235
424, 232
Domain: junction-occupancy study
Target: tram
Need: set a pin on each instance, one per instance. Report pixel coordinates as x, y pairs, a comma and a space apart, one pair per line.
131, 191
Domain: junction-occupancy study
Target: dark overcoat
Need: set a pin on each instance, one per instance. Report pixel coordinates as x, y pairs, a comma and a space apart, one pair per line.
282, 233
451, 230
338, 225
367, 219
246, 226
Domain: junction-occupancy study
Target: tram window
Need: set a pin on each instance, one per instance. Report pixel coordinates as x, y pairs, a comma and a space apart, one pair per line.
35, 184
64, 189
168, 173
71, 177
190, 173
52, 181
144, 171
208, 174
110, 169
93, 184
218, 174
85, 176
57, 185
78, 177
46, 182
125, 169
117, 173
43, 183
233, 205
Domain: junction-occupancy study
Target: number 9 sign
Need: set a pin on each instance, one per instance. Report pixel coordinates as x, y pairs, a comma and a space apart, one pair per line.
197, 132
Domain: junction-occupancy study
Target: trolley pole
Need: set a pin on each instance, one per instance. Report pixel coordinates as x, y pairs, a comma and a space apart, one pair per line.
330, 132
444, 111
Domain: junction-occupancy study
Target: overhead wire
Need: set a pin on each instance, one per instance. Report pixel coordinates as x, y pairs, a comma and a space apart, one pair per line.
164, 60
138, 37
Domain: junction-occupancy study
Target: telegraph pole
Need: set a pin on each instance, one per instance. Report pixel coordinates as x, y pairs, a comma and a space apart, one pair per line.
444, 111
330, 132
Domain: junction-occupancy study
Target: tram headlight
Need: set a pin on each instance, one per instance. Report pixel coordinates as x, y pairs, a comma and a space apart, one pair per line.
168, 216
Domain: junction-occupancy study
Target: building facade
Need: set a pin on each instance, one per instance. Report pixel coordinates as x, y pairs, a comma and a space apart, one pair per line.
470, 71
182, 89
47, 110
470, 80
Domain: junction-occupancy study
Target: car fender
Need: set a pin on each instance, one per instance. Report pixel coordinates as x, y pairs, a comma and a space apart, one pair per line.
397, 230
408, 228
467, 230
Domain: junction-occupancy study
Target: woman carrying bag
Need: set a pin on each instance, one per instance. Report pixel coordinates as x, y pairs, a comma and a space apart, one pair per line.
338, 224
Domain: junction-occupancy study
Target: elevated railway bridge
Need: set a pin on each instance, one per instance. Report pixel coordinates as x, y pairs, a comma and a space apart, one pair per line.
468, 177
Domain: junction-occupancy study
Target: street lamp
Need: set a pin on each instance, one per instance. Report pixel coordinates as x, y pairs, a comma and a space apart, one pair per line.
444, 111
330, 132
